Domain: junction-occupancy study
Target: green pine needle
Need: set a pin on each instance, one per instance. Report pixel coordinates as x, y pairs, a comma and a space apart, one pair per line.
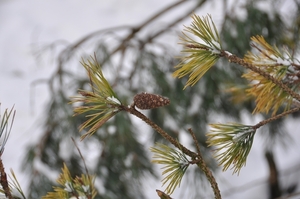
206, 30
5, 127
100, 104
15, 187
199, 56
175, 163
233, 143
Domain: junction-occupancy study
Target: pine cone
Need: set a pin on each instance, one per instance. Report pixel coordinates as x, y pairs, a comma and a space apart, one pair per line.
149, 101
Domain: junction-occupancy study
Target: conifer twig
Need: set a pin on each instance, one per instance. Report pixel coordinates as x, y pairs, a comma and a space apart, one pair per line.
189, 12
195, 140
235, 59
261, 123
136, 29
202, 165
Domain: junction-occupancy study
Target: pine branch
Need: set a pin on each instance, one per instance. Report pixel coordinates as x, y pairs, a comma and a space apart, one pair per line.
234, 59
136, 29
195, 140
270, 68
264, 122
233, 143
78, 187
101, 104
189, 12
201, 55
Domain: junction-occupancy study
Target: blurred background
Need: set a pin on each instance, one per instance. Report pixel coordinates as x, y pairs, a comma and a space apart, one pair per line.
136, 42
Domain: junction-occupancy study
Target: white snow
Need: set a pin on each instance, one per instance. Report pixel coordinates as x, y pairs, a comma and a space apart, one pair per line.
228, 53
284, 62
114, 100
216, 47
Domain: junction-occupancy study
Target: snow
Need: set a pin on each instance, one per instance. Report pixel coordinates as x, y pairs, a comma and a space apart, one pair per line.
284, 62
216, 47
228, 53
114, 100
26, 24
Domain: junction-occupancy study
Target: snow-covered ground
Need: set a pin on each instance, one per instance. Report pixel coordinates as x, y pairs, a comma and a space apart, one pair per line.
24, 23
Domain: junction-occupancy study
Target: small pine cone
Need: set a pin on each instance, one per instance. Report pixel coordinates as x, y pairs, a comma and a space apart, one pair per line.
149, 101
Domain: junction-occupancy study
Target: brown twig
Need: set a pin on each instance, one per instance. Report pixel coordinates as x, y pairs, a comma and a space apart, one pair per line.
66, 53
234, 59
86, 170
135, 30
195, 140
202, 165
258, 125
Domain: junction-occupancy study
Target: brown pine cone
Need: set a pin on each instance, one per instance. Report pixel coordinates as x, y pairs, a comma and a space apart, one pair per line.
149, 101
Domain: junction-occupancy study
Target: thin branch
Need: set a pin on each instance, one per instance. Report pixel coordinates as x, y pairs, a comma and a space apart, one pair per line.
213, 183
86, 170
135, 30
149, 39
195, 140
258, 125
234, 59
65, 54
202, 165
124, 43
62, 56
